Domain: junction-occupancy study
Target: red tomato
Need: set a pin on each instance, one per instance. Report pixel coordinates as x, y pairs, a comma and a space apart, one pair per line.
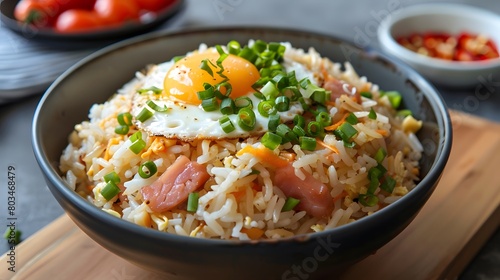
153, 5
72, 21
33, 12
45, 12
116, 11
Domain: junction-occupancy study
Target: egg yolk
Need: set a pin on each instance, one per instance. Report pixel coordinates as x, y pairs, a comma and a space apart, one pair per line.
186, 78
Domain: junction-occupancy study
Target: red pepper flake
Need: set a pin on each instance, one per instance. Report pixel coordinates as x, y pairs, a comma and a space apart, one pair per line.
462, 47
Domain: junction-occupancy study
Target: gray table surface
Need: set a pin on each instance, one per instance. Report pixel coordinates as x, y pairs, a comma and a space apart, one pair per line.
35, 205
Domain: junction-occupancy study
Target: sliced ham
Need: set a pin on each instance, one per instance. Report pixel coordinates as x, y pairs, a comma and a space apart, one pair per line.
175, 184
339, 87
314, 196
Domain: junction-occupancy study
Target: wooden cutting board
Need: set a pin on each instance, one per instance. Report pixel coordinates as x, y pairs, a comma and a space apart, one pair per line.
458, 219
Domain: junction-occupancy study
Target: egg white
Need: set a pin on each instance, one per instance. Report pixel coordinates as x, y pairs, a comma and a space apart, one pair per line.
188, 122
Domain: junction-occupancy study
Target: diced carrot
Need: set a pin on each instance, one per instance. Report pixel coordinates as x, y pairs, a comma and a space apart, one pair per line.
330, 147
239, 194
111, 142
330, 103
337, 124
382, 132
253, 233
415, 171
256, 187
265, 155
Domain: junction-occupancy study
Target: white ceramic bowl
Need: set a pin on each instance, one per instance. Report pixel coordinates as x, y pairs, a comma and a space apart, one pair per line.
448, 18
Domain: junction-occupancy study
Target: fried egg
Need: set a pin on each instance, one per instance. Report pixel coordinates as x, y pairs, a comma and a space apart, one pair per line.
185, 118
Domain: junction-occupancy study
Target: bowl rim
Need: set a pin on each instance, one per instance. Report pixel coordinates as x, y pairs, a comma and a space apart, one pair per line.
388, 42
443, 120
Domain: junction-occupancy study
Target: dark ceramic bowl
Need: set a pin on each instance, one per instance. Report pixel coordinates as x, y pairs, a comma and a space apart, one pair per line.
68, 100
106, 34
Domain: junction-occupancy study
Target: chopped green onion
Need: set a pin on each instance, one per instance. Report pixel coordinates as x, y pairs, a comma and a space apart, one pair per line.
388, 185
380, 155
155, 107
319, 109
210, 104
404, 113
309, 89
290, 203
324, 119
303, 103
246, 119
219, 49
136, 136
205, 65
233, 47
280, 80
259, 46
319, 96
394, 97
221, 58
265, 72
226, 124
110, 190
137, 143
352, 119
292, 79
372, 115
274, 121
192, 203
299, 131
255, 172
266, 108
144, 115
367, 94
278, 48
248, 54
153, 89
147, 169
227, 106
345, 132
177, 58
206, 94
292, 92
282, 103
286, 133
299, 120
112, 177
349, 144
243, 102
374, 183
368, 200
124, 119
269, 90
259, 95
137, 146
376, 172
122, 129
314, 129
307, 143
228, 88
271, 140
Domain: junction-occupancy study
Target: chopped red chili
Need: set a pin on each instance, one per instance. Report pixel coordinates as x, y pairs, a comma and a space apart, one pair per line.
462, 47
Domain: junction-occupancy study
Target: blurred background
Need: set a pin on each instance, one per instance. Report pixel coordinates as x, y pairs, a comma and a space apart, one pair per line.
28, 65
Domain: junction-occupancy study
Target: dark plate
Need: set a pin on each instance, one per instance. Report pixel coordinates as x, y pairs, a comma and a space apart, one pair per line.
126, 30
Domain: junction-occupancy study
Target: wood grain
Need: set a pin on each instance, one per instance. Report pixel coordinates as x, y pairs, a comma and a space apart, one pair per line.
458, 219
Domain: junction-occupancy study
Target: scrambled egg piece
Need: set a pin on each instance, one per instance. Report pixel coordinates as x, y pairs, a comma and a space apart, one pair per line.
411, 125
